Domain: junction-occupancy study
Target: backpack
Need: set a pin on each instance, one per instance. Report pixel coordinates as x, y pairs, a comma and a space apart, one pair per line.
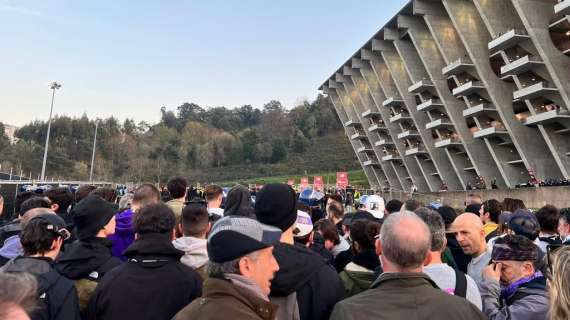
460, 284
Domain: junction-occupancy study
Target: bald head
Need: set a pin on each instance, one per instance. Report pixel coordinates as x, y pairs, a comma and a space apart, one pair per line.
468, 229
467, 220
405, 240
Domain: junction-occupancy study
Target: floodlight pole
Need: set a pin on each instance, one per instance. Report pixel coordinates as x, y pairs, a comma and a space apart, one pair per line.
53, 86
93, 154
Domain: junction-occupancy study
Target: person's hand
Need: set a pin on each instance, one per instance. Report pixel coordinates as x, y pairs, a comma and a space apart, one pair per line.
493, 271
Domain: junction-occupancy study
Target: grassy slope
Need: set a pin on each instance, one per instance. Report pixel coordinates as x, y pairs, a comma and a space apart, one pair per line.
355, 178
325, 155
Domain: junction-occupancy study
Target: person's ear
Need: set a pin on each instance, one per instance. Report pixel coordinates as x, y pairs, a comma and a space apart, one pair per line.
173, 234
378, 246
209, 227
427, 260
54, 207
245, 267
179, 227
56, 244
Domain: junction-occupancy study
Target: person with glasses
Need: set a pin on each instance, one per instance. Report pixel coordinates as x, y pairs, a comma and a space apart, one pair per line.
513, 287
41, 239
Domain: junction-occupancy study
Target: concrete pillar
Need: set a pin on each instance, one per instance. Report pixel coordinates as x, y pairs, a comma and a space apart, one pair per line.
533, 156
439, 160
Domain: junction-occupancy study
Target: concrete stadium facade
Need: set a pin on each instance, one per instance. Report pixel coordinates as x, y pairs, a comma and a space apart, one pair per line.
452, 91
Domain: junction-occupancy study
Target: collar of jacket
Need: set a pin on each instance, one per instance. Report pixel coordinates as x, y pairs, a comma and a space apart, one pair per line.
219, 288
153, 248
408, 278
367, 259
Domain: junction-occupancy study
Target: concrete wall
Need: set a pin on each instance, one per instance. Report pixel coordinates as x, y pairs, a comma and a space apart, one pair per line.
534, 198
427, 37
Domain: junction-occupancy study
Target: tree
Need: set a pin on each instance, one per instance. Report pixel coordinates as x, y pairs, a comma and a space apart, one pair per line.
300, 142
278, 151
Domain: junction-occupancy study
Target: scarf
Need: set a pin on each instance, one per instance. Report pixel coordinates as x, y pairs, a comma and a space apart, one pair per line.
509, 290
247, 284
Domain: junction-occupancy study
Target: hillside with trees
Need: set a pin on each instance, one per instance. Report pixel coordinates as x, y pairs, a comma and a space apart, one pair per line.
206, 144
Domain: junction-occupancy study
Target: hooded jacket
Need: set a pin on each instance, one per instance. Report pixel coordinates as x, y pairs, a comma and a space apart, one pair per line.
10, 229
152, 284
238, 203
86, 262
11, 249
224, 300
528, 302
57, 294
358, 275
124, 234
405, 296
305, 274
195, 253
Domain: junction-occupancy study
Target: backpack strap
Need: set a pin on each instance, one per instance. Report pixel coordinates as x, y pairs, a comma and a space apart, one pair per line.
460, 284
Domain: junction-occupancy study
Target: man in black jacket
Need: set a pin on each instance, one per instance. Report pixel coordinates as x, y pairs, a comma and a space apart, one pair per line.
89, 258
305, 287
153, 283
41, 239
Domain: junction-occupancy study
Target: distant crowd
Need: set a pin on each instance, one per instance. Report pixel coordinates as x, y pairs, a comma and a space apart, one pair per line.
184, 253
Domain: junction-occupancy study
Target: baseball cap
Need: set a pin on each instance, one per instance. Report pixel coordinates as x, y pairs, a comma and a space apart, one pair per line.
54, 223
375, 205
303, 224
233, 237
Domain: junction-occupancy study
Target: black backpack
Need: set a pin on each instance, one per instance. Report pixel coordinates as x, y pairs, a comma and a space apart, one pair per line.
460, 284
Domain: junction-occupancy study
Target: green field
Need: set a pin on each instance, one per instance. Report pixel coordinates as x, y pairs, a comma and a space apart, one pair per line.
355, 178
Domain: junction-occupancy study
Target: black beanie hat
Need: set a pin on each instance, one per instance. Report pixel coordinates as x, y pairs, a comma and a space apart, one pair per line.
275, 205
92, 214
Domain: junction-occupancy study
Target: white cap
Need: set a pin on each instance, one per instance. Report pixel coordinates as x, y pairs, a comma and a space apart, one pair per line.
303, 223
375, 205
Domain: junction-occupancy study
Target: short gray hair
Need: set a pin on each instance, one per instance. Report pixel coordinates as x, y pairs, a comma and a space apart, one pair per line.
436, 227
126, 202
19, 290
219, 269
405, 249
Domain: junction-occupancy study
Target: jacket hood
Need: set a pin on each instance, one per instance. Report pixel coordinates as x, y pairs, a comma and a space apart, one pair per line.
195, 252
238, 203
153, 246
12, 248
367, 259
124, 223
297, 265
42, 268
35, 266
362, 277
83, 257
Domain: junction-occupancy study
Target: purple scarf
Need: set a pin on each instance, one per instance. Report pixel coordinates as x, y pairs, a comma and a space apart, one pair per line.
508, 291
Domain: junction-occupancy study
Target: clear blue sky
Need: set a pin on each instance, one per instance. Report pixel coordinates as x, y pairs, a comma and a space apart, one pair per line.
129, 58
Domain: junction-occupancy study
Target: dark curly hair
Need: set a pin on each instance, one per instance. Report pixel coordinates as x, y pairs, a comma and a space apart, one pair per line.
177, 187
548, 217
36, 238
364, 232
154, 218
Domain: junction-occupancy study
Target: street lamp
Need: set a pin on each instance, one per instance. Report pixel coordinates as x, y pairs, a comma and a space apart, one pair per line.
53, 86
93, 154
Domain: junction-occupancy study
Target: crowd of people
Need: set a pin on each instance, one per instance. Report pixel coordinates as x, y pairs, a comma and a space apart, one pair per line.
150, 254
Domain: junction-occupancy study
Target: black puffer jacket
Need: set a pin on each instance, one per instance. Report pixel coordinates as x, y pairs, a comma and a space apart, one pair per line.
57, 294
152, 284
316, 284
